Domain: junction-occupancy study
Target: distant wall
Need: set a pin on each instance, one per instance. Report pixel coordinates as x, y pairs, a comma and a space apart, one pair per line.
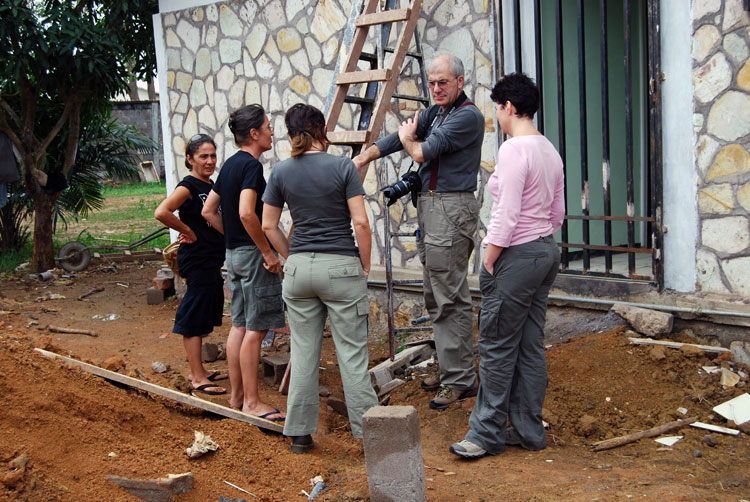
144, 116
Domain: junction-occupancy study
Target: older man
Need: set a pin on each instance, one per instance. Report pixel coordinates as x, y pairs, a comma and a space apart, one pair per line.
446, 140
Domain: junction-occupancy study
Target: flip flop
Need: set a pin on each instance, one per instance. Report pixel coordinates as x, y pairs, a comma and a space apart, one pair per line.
274, 412
217, 375
202, 388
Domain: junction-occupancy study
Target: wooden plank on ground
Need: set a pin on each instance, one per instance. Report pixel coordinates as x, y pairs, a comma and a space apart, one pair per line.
675, 345
168, 393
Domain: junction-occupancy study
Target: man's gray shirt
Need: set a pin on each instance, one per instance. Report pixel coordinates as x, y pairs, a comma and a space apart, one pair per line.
457, 141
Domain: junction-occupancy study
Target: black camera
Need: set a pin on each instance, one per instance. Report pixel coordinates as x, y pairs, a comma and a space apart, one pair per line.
410, 182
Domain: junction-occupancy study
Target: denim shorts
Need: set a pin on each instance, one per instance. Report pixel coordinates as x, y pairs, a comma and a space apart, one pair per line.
256, 293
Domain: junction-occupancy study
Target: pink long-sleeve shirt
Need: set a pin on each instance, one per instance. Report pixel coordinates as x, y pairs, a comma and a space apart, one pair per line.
528, 192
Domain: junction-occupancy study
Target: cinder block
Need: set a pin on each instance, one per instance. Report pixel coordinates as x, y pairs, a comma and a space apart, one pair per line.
393, 454
209, 352
163, 283
156, 296
274, 366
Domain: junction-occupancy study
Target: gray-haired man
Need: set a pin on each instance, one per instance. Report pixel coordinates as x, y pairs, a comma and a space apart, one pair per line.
446, 140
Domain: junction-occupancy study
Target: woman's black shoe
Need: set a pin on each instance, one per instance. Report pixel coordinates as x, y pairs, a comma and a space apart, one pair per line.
302, 444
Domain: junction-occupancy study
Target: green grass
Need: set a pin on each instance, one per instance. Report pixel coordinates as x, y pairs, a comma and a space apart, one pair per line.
131, 189
125, 222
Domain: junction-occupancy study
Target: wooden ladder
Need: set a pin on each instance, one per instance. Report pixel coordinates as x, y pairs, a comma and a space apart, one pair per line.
371, 120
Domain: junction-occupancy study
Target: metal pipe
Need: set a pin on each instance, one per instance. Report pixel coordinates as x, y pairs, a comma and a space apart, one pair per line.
517, 31
605, 135
564, 260
538, 60
583, 130
653, 306
629, 180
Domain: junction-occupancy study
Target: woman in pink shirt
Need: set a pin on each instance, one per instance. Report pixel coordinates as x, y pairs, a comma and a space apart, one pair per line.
520, 263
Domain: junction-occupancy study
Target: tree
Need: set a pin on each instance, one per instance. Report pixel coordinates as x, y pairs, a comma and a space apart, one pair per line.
58, 61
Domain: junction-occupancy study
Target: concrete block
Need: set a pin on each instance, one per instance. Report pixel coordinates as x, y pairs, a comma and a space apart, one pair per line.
163, 282
209, 352
274, 366
156, 296
156, 490
651, 323
383, 372
740, 352
338, 405
385, 389
393, 454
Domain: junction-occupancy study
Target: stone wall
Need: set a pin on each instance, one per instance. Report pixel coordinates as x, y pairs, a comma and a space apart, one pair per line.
224, 55
721, 79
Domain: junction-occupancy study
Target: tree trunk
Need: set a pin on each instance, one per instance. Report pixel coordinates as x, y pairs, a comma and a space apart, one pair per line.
43, 257
133, 90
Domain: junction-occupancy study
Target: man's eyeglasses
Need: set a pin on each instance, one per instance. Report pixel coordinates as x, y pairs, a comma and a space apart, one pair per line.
433, 84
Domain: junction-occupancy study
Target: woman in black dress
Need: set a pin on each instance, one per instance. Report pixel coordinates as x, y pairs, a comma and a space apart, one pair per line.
199, 259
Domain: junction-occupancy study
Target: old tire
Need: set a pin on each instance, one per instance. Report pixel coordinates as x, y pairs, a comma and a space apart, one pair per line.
74, 256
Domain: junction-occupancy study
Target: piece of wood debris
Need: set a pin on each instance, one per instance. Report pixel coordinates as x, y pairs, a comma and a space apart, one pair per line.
716, 428
72, 331
649, 433
90, 292
168, 393
676, 345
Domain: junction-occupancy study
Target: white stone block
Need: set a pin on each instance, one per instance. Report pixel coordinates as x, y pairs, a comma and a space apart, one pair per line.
705, 39
273, 15
726, 235
189, 34
712, 78
230, 50
229, 22
727, 119
701, 8
197, 94
736, 48
737, 272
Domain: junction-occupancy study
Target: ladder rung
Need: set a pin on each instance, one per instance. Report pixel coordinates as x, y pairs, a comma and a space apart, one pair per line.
412, 98
347, 137
359, 101
382, 17
357, 77
417, 55
369, 57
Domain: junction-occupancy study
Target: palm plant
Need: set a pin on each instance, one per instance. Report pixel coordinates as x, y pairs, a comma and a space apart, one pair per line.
106, 150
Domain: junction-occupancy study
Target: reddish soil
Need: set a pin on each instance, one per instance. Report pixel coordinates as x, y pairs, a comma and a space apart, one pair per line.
75, 428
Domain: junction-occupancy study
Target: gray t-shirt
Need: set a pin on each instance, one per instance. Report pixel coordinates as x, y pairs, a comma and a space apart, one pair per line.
316, 187
455, 140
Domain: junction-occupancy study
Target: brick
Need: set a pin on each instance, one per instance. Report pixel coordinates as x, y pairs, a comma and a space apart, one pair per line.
388, 387
163, 283
274, 366
393, 454
156, 490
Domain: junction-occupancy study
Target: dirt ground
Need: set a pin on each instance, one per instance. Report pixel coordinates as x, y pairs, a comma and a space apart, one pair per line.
74, 428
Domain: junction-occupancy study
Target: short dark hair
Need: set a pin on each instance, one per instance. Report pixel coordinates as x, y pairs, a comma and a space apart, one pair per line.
243, 120
192, 146
305, 124
519, 90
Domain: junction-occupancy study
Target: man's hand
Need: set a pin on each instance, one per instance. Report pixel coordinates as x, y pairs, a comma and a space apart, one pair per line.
272, 263
407, 131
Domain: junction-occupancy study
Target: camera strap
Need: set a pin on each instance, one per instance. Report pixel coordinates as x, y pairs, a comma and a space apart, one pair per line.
435, 164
